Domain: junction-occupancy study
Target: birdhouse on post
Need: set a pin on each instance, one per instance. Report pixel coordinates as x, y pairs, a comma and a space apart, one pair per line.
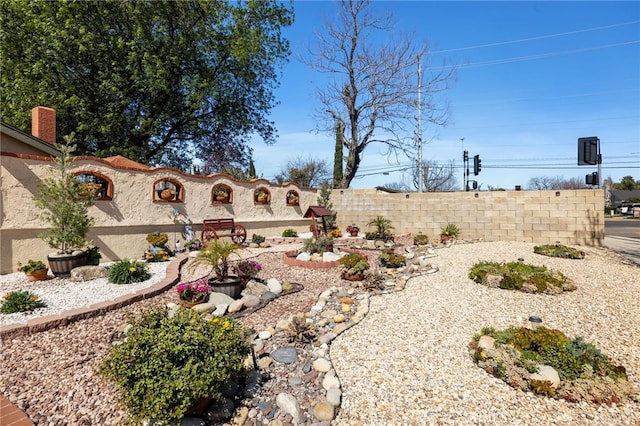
317, 215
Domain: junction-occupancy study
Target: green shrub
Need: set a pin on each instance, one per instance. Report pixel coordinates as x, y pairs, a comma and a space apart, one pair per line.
515, 275
320, 245
257, 239
20, 301
289, 233
167, 364
128, 271
451, 230
420, 239
390, 259
558, 250
383, 229
32, 265
354, 263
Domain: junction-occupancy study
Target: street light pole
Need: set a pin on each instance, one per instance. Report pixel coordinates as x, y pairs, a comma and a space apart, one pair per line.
464, 167
420, 171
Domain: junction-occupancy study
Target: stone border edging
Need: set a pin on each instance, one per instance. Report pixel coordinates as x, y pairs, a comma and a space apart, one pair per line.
49, 322
292, 261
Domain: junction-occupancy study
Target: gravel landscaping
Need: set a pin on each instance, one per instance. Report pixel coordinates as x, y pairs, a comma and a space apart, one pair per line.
406, 362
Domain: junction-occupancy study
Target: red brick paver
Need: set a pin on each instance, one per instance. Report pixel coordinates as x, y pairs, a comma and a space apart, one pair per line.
10, 415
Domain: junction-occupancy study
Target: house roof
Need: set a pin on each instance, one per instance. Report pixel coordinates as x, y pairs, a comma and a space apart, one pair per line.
30, 140
120, 161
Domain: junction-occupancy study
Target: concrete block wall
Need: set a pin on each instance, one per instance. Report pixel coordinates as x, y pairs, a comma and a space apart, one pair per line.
568, 216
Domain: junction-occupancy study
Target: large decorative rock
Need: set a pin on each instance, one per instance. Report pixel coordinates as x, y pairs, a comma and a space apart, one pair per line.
329, 256
220, 299
304, 257
274, 286
219, 411
547, 373
285, 355
250, 300
254, 288
288, 404
323, 411
486, 342
88, 273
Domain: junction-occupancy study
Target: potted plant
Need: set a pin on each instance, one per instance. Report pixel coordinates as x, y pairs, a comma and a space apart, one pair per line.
353, 230
67, 213
216, 255
354, 266
261, 196
35, 270
390, 259
449, 232
293, 199
194, 245
167, 194
220, 194
247, 270
257, 239
93, 255
193, 293
383, 229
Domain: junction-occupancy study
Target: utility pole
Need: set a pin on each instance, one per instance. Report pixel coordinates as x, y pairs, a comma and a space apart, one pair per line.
419, 141
465, 171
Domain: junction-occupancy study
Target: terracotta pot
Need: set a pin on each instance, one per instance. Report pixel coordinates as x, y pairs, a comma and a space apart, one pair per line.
222, 198
352, 277
167, 195
189, 304
292, 201
231, 286
354, 233
39, 275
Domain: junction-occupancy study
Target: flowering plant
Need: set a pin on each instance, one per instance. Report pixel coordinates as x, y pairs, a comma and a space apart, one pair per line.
247, 269
195, 244
32, 265
196, 291
335, 233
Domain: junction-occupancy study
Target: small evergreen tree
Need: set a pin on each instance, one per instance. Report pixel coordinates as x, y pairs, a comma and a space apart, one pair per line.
63, 206
324, 201
338, 156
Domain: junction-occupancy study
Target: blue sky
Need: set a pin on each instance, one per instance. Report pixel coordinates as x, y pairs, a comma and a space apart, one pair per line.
533, 77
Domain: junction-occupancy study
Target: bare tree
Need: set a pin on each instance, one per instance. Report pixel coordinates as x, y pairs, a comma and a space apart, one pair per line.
310, 172
372, 90
436, 177
558, 182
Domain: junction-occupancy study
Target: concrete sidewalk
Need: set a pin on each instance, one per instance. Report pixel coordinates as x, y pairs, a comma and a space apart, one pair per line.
627, 247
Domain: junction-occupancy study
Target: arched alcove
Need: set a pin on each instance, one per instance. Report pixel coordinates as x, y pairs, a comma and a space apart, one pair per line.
293, 198
262, 195
97, 182
221, 194
168, 190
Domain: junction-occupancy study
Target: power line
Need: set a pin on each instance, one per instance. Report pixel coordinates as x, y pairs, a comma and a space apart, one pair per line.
502, 43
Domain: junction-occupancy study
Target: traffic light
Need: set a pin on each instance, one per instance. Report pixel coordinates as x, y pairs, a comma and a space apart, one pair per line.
477, 164
465, 156
592, 179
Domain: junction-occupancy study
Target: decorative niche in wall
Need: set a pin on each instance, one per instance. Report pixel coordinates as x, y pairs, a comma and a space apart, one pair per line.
293, 198
221, 194
168, 190
96, 183
262, 196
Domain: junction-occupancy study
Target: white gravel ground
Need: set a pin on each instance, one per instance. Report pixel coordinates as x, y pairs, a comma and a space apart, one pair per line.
61, 294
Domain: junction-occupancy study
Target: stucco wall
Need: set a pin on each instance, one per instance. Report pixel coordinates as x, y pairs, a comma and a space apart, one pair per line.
122, 223
568, 216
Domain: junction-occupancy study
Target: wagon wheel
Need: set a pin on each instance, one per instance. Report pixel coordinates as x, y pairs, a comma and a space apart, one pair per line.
238, 239
240, 234
209, 234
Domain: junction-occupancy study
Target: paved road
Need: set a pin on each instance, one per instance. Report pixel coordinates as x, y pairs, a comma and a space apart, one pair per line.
622, 234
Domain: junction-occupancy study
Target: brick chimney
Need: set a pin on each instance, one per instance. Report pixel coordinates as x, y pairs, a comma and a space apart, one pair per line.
43, 124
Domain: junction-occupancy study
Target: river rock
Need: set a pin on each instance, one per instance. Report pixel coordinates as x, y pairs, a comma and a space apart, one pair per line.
287, 403
274, 286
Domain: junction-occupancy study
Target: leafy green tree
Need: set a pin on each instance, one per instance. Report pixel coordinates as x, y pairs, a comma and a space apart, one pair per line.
160, 82
627, 182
